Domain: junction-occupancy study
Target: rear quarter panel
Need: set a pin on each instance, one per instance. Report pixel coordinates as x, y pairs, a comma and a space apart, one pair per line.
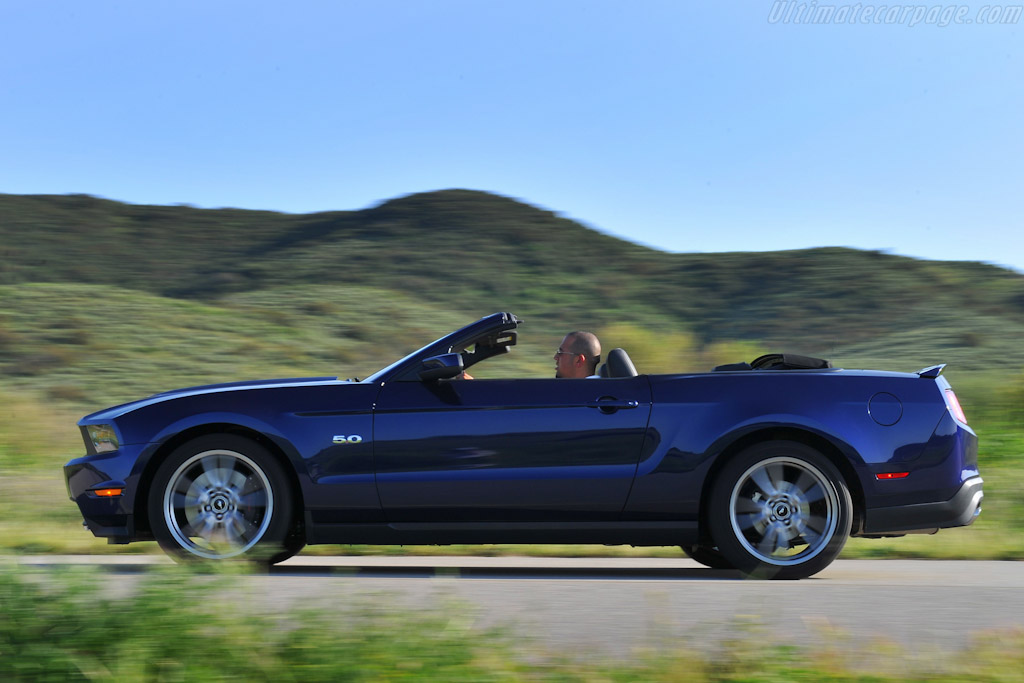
697, 420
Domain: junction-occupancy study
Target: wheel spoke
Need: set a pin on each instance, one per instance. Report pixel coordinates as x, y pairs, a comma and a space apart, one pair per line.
777, 476
246, 529
183, 485
805, 481
218, 469
816, 523
232, 535
782, 535
251, 484
181, 500
788, 533
257, 498
761, 479
208, 524
746, 505
209, 465
815, 493
810, 537
770, 541
748, 521
236, 480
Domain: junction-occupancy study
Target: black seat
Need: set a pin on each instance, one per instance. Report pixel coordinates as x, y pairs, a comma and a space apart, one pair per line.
618, 365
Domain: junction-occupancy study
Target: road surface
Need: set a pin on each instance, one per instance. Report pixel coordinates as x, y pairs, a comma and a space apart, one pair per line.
617, 606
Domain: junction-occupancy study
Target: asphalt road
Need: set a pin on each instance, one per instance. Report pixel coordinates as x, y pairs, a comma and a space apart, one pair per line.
615, 606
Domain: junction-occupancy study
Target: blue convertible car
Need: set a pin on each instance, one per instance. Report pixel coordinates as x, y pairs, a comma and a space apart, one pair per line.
766, 468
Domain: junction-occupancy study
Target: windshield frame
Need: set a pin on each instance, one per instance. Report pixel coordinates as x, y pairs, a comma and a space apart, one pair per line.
495, 321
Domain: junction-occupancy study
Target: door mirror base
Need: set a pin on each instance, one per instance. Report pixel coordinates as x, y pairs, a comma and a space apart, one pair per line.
445, 366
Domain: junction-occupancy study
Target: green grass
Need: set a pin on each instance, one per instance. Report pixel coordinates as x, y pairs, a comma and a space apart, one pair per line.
175, 625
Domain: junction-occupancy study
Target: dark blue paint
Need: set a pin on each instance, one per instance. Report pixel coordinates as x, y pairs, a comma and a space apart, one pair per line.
885, 409
508, 449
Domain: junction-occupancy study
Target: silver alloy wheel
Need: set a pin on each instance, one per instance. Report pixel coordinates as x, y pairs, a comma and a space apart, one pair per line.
784, 511
218, 504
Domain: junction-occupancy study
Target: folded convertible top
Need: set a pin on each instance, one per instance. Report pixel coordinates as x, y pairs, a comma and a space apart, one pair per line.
778, 361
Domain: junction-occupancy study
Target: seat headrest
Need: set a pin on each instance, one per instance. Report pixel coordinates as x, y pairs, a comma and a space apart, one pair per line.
619, 364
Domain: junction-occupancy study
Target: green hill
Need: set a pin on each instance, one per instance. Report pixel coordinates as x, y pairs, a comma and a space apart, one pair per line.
458, 254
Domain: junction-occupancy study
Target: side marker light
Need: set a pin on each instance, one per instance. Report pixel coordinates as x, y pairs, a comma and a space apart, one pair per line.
108, 493
891, 475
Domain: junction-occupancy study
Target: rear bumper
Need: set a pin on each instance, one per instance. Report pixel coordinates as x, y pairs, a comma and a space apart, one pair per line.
960, 510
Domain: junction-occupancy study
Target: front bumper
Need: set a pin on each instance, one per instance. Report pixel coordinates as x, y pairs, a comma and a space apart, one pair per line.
111, 518
960, 510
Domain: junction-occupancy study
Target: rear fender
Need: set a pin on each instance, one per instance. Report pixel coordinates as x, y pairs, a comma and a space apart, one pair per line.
841, 454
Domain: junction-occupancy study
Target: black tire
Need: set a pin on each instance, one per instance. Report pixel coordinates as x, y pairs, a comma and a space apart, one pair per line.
707, 555
223, 497
293, 543
780, 510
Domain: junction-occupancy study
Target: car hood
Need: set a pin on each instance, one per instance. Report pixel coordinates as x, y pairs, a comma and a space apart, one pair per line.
117, 411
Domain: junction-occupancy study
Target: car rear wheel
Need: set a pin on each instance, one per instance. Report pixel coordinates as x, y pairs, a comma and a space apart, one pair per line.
707, 555
220, 497
781, 510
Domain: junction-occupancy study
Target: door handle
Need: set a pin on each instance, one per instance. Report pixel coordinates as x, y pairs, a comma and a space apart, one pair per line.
609, 404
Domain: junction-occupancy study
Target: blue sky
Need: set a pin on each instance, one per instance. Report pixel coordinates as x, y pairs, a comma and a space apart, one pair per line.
688, 126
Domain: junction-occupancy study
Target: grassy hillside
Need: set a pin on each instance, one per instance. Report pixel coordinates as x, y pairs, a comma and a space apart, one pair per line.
96, 344
472, 251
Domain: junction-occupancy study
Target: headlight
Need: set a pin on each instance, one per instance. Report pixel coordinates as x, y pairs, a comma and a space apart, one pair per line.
103, 437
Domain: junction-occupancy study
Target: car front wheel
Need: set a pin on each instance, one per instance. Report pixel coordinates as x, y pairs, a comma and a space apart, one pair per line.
781, 510
222, 496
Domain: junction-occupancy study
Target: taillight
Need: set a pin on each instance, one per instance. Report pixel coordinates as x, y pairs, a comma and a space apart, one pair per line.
954, 406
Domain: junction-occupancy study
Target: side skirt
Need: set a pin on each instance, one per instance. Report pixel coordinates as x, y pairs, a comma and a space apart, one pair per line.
418, 533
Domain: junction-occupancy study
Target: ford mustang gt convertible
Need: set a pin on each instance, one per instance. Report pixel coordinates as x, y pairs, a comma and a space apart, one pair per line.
766, 468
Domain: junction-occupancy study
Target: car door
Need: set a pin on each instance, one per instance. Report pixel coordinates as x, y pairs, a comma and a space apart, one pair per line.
508, 450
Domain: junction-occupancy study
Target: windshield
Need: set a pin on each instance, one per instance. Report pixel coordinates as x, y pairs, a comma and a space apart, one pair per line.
464, 336
380, 373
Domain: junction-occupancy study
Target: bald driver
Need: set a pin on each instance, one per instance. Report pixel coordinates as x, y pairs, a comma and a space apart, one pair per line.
577, 356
